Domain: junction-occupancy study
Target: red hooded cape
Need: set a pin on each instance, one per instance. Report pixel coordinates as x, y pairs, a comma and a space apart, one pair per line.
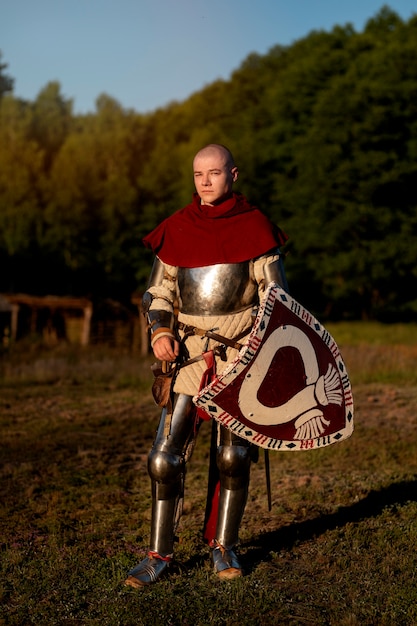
200, 235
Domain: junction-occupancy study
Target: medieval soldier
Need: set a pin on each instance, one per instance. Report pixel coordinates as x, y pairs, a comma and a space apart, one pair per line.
214, 258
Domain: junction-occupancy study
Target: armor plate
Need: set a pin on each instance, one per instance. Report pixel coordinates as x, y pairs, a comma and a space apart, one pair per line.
216, 289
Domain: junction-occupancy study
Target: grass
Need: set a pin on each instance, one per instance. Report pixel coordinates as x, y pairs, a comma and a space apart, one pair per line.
373, 333
338, 547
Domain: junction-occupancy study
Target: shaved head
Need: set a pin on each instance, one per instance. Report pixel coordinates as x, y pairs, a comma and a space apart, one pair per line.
217, 149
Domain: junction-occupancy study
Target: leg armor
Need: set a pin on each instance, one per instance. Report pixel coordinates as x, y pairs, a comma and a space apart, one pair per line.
166, 467
233, 462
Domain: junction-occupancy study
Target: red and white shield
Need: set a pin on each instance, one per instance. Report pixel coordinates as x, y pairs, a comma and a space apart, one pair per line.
288, 389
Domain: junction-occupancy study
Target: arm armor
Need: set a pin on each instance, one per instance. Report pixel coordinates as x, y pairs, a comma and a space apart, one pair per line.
275, 272
157, 301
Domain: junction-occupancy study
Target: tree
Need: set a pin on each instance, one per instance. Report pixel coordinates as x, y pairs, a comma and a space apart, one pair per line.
21, 184
6, 82
93, 214
324, 132
51, 120
351, 190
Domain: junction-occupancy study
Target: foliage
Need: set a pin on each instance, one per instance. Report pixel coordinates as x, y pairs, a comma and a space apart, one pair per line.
338, 546
6, 82
324, 132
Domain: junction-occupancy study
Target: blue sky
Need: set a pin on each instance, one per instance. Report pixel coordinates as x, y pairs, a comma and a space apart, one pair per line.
147, 53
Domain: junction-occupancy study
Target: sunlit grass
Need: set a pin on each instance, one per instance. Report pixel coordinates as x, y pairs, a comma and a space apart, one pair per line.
75, 364
373, 333
375, 352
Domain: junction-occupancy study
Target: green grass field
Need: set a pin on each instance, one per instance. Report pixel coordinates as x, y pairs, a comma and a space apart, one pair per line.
338, 547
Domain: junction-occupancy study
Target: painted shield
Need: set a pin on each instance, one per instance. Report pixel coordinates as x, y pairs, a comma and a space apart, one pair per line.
288, 388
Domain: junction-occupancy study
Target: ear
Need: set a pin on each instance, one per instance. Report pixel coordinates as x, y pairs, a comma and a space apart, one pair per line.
235, 173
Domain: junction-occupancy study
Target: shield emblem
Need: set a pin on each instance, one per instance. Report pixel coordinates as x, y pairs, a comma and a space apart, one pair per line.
288, 388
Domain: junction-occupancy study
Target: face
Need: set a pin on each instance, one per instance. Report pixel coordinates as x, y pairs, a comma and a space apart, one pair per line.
213, 176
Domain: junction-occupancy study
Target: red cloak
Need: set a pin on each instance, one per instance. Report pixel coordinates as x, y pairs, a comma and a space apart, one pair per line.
200, 235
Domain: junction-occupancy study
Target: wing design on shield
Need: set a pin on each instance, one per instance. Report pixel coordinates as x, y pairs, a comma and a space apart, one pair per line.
288, 388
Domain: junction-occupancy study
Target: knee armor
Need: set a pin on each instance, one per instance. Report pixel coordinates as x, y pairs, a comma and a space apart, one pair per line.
233, 463
165, 467
233, 460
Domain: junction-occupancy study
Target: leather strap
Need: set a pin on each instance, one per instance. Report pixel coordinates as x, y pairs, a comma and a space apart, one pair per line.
231, 343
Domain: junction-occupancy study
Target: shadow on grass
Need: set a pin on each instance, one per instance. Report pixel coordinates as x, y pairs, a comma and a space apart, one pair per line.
259, 549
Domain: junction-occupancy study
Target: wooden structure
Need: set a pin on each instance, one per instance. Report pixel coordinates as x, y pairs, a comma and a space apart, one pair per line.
12, 311
51, 304
75, 320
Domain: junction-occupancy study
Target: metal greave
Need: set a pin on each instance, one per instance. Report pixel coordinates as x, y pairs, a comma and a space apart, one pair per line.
233, 461
166, 467
165, 517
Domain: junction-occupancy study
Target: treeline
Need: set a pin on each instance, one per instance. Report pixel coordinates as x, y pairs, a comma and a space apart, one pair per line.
325, 135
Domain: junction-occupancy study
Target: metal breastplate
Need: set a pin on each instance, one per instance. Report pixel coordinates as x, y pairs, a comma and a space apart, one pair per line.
217, 289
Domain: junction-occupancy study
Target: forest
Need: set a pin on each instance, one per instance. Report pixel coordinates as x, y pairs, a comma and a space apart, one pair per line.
324, 132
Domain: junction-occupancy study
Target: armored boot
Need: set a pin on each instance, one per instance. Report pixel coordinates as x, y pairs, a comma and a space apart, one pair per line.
233, 460
166, 467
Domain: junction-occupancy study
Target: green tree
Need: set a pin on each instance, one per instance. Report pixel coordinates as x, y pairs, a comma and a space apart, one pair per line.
21, 183
356, 176
51, 120
324, 132
93, 213
6, 82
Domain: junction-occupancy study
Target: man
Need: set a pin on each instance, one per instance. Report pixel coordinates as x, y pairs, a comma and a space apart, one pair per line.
214, 257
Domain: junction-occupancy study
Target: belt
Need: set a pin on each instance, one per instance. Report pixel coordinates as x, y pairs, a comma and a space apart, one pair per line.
231, 343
